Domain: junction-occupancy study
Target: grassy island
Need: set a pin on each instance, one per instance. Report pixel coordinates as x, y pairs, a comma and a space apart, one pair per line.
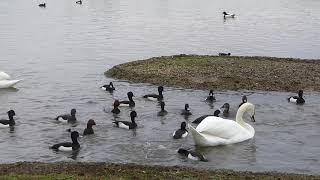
223, 72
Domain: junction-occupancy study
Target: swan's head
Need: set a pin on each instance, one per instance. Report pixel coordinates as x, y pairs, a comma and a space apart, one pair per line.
250, 109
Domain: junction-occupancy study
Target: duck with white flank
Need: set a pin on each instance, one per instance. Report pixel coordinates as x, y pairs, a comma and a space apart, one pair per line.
10, 122
70, 118
68, 146
127, 124
163, 112
79, 2
211, 97
244, 100
89, 129
155, 97
182, 132
214, 131
297, 99
116, 109
227, 15
109, 87
186, 110
226, 109
129, 103
42, 5
224, 54
192, 155
199, 119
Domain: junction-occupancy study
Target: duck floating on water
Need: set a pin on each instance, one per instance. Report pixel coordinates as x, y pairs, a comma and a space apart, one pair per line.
227, 15
155, 97
226, 109
116, 109
214, 131
89, 129
201, 118
8, 123
162, 112
182, 132
68, 146
70, 118
192, 155
186, 110
79, 2
211, 97
127, 124
109, 87
42, 5
297, 99
130, 102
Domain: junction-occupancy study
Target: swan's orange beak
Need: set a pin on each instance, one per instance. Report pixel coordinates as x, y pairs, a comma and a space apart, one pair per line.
252, 119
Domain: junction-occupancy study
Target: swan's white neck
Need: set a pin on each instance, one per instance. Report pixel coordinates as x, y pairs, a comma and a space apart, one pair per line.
239, 117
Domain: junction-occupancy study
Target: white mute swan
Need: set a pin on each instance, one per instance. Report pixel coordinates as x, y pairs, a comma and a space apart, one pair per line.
213, 131
4, 76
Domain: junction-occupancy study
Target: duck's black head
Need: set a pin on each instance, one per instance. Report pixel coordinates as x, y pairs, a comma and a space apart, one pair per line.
130, 94
73, 112
91, 123
224, 13
160, 89
186, 107
229, 54
111, 84
183, 151
244, 99
74, 135
226, 106
216, 113
133, 114
11, 113
162, 104
300, 93
211, 92
183, 125
116, 103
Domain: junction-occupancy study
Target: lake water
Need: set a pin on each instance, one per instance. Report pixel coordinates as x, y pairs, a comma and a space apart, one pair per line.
62, 51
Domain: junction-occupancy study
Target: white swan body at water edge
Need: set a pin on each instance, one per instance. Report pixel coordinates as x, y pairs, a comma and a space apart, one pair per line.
214, 131
5, 82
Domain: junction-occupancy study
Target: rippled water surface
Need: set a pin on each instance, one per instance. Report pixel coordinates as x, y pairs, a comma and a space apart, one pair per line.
61, 52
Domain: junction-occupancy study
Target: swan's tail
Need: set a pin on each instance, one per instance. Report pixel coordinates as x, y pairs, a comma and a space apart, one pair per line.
198, 138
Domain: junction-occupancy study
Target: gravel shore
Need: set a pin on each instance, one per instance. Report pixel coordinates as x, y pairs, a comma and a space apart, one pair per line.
223, 72
62, 170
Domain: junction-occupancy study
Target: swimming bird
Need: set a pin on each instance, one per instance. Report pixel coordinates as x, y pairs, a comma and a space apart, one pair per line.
226, 108
79, 2
182, 132
70, 118
213, 131
226, 15
211, 97
201, 118
127, 124
297, 99
116, 109
186, 110
68, 146
224, 54
10, 122
42, 5
163, 112
4, 76
155, 97
109, 87
244, 100
192, 155
89, 129
129, 103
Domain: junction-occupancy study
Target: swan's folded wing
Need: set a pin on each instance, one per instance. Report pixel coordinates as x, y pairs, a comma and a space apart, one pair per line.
222, 128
